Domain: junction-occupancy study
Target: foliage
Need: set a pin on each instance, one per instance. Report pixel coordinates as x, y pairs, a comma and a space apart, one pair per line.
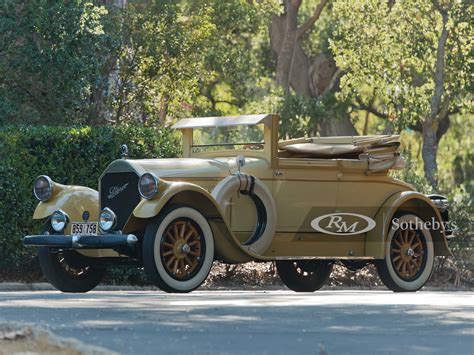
389, 51
300, 115
69, 155
84, 62
236, 56
161, 61
53, 55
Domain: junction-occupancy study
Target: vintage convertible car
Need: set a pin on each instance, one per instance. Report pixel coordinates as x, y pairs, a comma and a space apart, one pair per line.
240, 195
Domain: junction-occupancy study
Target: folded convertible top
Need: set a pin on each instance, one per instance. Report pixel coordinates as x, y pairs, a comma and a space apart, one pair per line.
380, 152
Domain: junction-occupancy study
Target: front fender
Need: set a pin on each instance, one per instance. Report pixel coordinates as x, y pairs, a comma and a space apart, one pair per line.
407, 201
227, 246
73, 200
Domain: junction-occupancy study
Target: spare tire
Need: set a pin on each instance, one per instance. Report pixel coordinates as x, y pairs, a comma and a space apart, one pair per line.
251, 186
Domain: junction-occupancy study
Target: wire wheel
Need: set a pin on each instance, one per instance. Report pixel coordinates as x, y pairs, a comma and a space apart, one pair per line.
407, 253
182, 249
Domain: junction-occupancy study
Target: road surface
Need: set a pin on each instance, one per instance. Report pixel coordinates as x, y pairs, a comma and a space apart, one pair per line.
254, 322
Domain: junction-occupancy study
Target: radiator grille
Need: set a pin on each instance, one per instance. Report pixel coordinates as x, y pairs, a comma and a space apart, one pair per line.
119, 192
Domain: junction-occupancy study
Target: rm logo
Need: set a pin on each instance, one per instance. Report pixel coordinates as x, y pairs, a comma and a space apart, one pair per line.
343, 224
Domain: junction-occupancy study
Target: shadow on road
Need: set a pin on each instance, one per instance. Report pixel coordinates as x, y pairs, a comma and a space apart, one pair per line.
254, 322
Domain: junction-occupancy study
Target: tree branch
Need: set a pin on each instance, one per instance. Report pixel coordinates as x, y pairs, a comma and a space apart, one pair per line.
439, 66
305, 27
370, 108
333, 81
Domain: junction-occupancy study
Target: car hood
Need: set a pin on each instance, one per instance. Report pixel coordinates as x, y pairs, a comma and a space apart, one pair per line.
183, 167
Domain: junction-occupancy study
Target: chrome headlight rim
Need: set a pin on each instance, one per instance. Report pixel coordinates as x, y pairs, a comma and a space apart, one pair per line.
59, 220
50, 188
155, 187
112, 216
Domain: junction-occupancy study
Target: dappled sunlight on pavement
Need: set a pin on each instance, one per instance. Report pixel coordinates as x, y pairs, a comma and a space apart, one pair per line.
254, 321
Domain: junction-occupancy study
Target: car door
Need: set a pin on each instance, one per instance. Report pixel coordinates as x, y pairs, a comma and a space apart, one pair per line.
303, 189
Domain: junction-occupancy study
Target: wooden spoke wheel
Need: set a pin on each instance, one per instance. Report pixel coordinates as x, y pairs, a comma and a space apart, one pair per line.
409, 255
182, 248
178, 249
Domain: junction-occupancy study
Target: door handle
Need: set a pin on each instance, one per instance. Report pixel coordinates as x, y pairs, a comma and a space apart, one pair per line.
279, 173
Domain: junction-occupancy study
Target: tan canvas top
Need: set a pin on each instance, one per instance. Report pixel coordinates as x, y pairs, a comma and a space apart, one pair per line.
226, 121
380, 152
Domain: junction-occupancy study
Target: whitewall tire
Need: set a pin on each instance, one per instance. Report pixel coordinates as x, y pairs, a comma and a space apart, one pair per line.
409, 255
178, 249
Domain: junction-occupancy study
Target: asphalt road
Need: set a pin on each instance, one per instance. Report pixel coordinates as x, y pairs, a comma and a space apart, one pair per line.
254, 322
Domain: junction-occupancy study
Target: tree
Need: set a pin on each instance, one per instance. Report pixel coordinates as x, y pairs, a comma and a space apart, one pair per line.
161, 61
52, 60
233, 55
413, 56
310, 78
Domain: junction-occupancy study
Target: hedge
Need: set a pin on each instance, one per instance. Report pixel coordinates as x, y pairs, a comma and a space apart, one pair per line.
69, 155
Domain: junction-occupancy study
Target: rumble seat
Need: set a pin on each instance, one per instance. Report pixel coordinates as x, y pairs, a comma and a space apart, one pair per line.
380, 152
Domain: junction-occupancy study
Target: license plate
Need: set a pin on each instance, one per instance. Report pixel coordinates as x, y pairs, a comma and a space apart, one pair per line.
84, 228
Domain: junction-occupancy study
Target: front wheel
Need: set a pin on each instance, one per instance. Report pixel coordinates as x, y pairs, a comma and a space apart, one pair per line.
409, 256
304, 275
178, 249
63, 271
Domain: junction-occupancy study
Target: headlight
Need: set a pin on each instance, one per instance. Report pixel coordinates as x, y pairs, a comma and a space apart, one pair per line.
59, 220
43, 188
148, 185
107, 219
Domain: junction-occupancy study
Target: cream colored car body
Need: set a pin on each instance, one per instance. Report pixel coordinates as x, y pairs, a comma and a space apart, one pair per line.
302, 188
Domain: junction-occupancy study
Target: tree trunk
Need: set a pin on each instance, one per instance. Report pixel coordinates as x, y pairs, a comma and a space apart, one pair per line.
429, 152
439, 107
295, 70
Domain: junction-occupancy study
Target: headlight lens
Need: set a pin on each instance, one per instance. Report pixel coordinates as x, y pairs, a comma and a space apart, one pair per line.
148, 185
59, 220
107, 219
43, 188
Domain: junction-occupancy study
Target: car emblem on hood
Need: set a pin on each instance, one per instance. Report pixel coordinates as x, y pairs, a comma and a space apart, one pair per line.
343, 224
115, 190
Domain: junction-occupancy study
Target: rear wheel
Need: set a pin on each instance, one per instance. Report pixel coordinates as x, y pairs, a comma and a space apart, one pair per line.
178, 249
304, 275
65, 275
409, 256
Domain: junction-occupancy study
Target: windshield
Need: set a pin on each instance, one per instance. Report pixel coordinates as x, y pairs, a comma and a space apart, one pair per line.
228, 138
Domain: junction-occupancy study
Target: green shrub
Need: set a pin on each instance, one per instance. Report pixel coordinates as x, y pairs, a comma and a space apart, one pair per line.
69, 155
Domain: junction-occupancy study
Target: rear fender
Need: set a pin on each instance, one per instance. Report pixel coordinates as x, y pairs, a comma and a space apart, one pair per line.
227, 247
406, 201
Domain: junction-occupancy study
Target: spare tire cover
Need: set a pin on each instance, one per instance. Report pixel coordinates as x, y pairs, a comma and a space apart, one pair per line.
249, 185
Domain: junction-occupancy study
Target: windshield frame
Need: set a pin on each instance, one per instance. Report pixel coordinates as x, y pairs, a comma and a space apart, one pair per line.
270, 143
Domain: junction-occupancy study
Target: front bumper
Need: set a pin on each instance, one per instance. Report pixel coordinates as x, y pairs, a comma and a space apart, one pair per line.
103, 241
